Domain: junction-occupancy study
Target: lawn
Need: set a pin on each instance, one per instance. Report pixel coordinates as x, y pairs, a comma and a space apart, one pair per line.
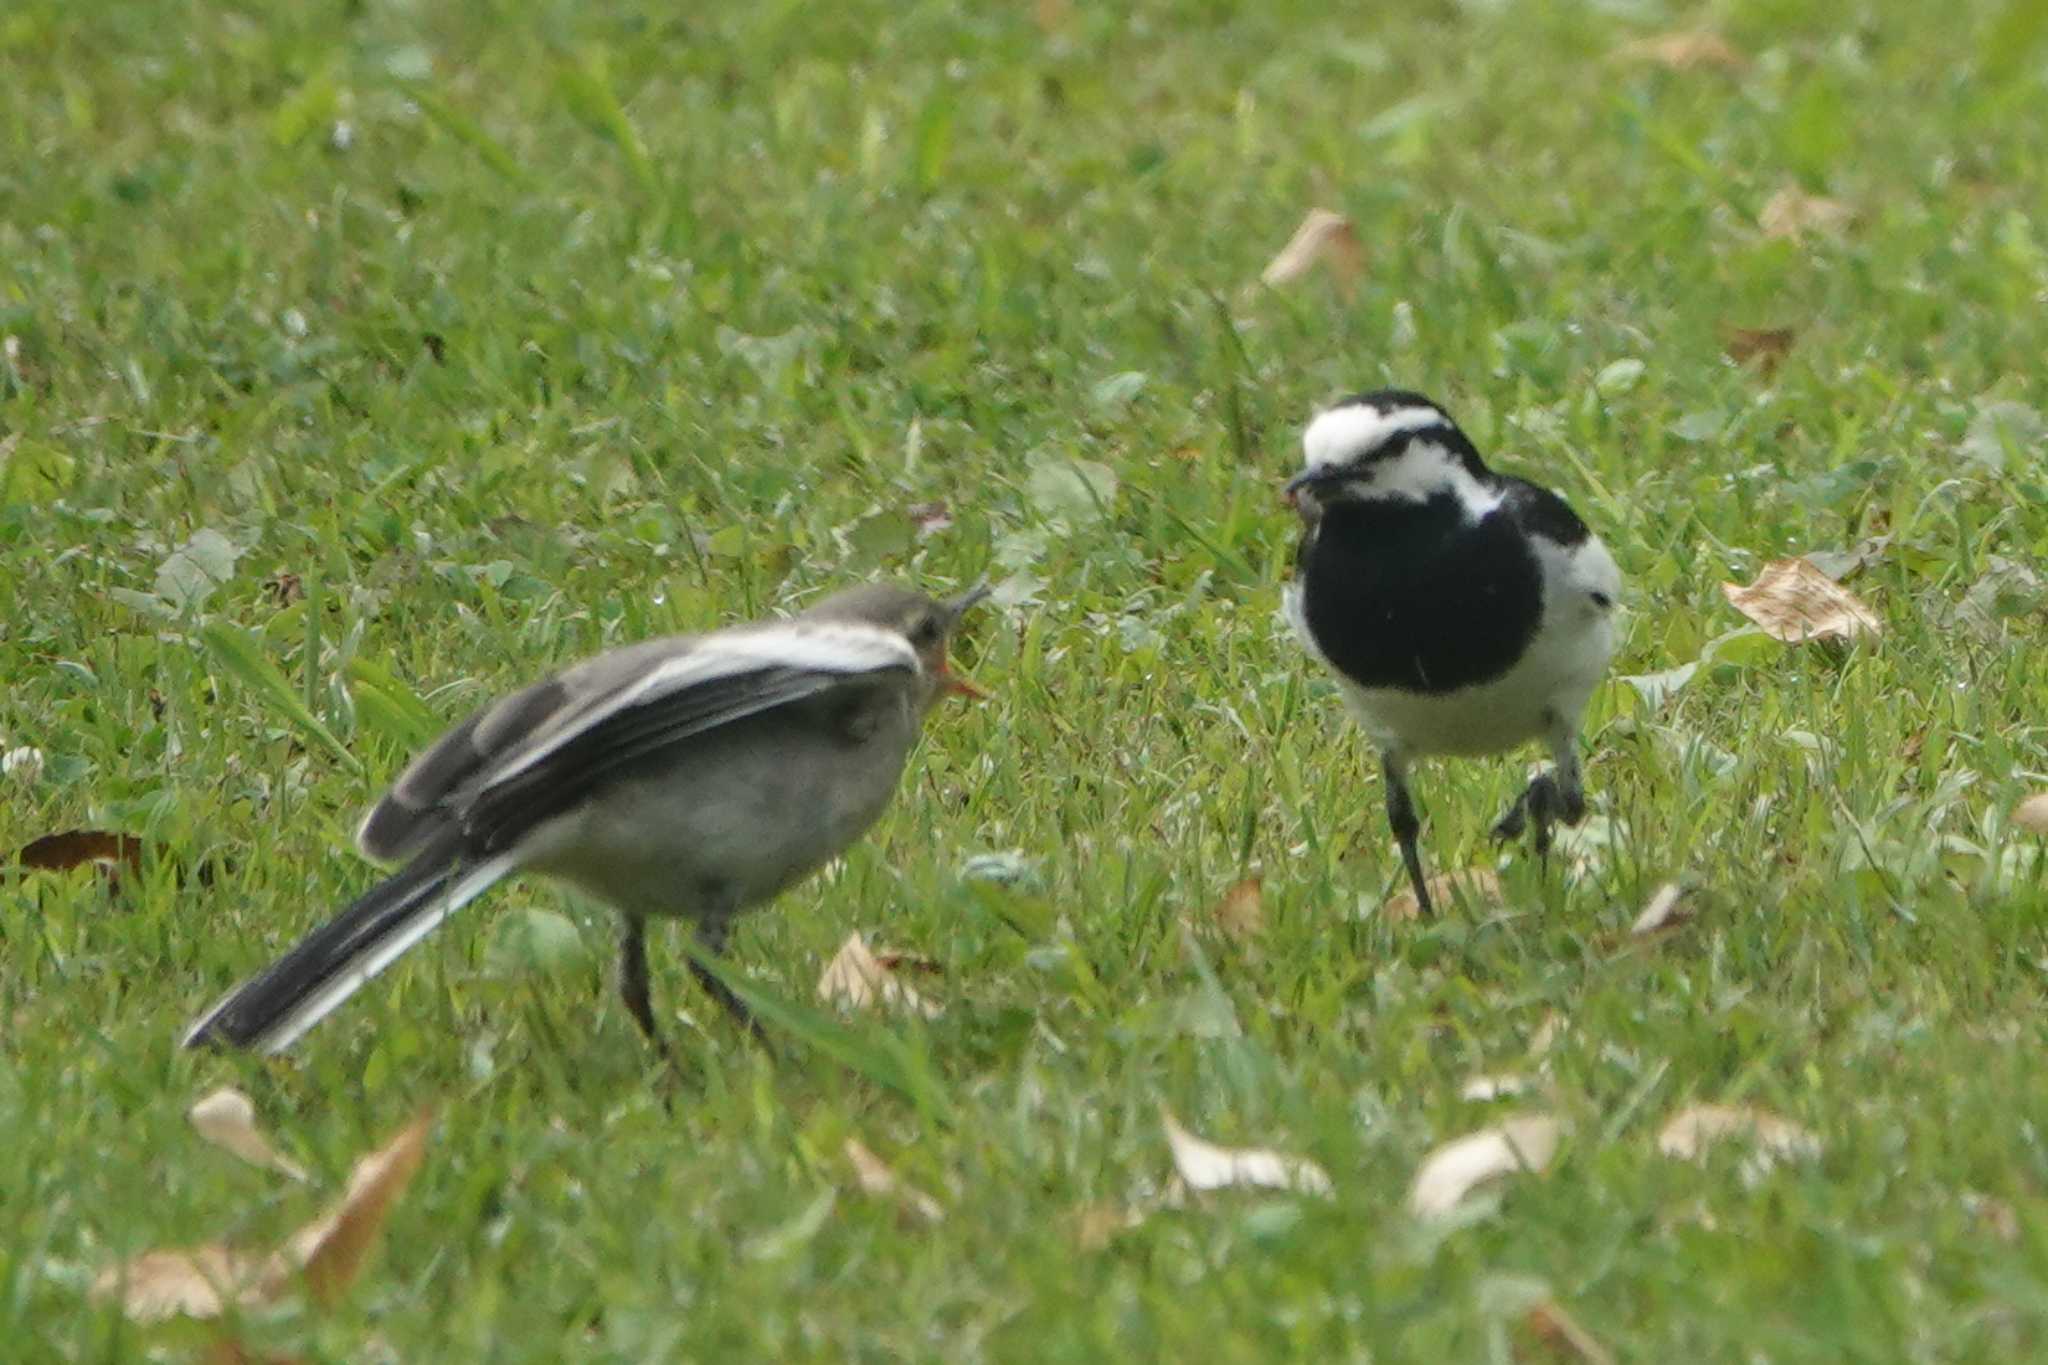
359, 361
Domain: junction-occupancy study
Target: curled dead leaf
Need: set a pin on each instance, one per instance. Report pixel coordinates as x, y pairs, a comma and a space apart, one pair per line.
330, 1251
1455, 1169
1669, 907
875, 1178
1793, 601
1697, 1128
1324, 238
1793, 213
857, 978
1685, 51
1559, 1331
1241, 914
1206, 1166
227, 1119
1475, 886
2031, 814
190, 1282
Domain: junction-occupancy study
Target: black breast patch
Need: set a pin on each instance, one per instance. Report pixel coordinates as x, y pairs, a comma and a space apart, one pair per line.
1412, 596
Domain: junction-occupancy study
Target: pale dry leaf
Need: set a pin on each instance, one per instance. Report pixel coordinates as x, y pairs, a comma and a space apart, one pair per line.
1558, 1330
1487, 1086
1477, 886
1697, 1128
857, 979
1793, 601
1455, 1169
227, 1119
1206, 1166
1793, 213
329, 1252
1241, 914
2031, 814
1669, 907
1547, 1033
1684, 51
875, 1178
192, 1282
1324, 238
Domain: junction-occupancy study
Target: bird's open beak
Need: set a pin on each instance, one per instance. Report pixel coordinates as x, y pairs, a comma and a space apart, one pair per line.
951, 684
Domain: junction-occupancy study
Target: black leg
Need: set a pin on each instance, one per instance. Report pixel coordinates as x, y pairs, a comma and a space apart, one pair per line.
633, 980
1407, 828
711, 934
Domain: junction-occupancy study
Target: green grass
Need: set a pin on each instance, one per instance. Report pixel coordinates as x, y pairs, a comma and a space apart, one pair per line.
616, 320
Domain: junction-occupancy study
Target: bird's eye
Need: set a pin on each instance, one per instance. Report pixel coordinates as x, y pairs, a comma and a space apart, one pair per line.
924, 631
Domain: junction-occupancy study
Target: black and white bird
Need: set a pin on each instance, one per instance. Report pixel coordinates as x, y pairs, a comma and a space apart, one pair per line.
696, 776
1463, 611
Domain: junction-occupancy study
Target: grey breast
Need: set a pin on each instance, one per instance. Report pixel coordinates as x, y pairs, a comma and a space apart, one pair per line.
728, 819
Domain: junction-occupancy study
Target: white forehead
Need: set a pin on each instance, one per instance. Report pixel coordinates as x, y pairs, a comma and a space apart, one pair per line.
1341, 435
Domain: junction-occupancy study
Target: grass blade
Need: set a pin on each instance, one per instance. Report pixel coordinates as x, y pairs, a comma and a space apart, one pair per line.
238, 652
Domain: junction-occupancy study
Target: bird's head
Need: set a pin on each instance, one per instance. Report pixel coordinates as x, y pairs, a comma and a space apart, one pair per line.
927, 623
1388, 445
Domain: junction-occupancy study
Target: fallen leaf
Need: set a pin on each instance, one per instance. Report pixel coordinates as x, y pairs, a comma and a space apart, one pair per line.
1695, 1130
1497, 1085
105, 851
1669, 907
1561, 1333
192, 1282
2031, 814
1547, 1033
1793, 213
1765, 345
929, 518
331, 1250
1241, 914
1455, 1169
1324, 238
1684, 51
875, 1178
227, 1119
327, 1254
1205, 1166
1793, 601
284, 588
1476, 886
857, 979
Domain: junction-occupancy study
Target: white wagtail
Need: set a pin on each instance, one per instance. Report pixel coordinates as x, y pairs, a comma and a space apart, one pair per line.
696, 776
1463, 611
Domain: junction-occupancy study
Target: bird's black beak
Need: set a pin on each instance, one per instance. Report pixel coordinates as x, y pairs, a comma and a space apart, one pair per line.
959, 606
1308, 478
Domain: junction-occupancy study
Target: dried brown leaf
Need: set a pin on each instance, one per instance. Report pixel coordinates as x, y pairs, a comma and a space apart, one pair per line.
1561, 1333
1241, 914
1684, 51
857, 978
1765, 345
1669, 907
1455, 1169
1477, 886
1793, 601
330, 1251
227, 1119
192, 1282
1324, 238
875, 1178
2031, 814
1206, 1166
1697, 1128
1793, 213
107, 852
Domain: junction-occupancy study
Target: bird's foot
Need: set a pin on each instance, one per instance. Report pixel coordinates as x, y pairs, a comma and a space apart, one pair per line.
1543, 804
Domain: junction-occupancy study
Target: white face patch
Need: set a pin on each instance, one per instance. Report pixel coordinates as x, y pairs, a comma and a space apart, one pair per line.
1421, 472
1348, 434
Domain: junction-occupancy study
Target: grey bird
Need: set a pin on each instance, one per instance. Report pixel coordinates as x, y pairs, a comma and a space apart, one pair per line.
695, 776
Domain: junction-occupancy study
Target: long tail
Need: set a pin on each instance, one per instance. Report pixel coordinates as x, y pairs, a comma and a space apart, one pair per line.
271, 1009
